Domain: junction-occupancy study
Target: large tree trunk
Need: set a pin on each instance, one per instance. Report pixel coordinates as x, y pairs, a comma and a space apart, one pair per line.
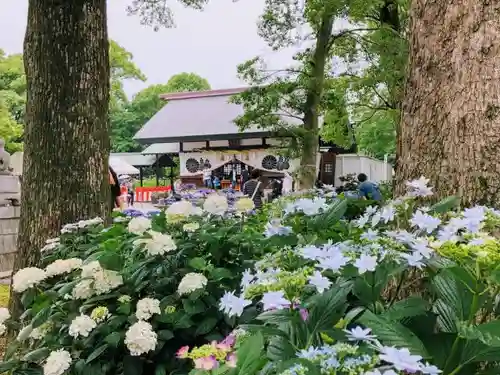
66, 138
313, 98
450, 130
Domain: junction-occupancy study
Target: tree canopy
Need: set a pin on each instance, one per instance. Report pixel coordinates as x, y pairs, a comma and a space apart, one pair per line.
363, 82
129, 118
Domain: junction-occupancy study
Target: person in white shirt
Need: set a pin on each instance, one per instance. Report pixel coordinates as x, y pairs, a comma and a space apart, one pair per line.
207, 177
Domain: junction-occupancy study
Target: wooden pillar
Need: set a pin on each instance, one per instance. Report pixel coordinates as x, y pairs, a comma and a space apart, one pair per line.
157, 169
141, 176
172, 178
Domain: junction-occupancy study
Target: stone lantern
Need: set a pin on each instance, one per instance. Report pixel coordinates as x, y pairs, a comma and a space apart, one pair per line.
10, 189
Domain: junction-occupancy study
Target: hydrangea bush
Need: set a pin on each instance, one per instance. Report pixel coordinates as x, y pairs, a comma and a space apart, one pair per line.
123, 299
296, 288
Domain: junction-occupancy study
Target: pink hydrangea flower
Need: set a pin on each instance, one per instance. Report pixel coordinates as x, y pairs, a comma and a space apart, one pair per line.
183, 352
206, 363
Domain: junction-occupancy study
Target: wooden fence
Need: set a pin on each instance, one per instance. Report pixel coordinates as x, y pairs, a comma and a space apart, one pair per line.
9, 224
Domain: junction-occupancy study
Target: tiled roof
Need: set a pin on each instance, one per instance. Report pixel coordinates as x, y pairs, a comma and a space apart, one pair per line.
198, 116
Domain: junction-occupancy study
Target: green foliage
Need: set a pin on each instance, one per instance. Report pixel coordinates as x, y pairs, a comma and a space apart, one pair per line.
157, 13
122, 68
374, 72
297, 288
130, 117
12, 99
13, 92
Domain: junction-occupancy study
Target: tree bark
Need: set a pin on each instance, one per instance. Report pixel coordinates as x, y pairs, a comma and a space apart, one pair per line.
313, 98
450, 129
66, 139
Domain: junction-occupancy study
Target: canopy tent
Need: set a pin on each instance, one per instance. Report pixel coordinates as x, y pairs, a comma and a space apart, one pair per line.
122, 167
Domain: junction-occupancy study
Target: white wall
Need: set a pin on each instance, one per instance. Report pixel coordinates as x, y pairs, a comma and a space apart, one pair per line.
376, 170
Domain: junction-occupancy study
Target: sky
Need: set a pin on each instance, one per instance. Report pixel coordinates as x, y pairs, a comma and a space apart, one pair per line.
210, 43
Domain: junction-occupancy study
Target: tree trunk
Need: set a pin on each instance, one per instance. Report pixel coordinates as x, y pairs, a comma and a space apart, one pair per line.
450, 129
66, 140
313, 98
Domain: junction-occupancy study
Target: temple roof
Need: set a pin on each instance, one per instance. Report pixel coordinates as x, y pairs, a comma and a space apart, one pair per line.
199, 116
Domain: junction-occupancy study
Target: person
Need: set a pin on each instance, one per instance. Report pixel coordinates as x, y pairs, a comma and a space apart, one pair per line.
130, 191
216, 182
207, 177
277, 189
115, 189
245, 176
368, 189
252, 188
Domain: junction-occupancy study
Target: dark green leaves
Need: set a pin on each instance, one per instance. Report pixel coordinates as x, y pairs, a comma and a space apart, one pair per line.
392, 333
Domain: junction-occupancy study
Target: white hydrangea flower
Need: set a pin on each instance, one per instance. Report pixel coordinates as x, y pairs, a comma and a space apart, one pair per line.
90, 222
140, 338
139, 225
57, 363
62, 266
244, 204
106, 280
69, 228
83, 290
190, 227
91, 269
3, 329
27, 278
190, 282
181, 210
124, 299
158, 244
81, 326
216, 204
50, 244
4, 314
146, 308
24, 333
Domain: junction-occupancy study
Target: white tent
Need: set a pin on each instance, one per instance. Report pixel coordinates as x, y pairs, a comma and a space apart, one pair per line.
122, 167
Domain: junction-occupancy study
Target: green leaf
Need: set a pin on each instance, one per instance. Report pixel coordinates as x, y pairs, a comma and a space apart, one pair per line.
111, 261
197, 263
449, 291
161, 369
165, 335
96, 353
113, 339
67, 288
206, 326
393, 333
409, 307
250, 355
220, 273
7, 366
445, 205
124, 308
327, 308
280, 349
36, 355
28, 297
487, 333
41, 317
133, 365
193, 307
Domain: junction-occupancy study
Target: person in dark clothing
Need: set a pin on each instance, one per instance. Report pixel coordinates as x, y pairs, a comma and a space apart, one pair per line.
115, 189
252, 188
367, 189
277, 188
245, 176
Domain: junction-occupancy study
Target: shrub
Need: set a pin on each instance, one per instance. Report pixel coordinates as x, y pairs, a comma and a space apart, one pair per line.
295, 288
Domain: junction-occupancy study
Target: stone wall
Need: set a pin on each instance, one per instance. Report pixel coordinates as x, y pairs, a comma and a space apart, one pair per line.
9, 223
